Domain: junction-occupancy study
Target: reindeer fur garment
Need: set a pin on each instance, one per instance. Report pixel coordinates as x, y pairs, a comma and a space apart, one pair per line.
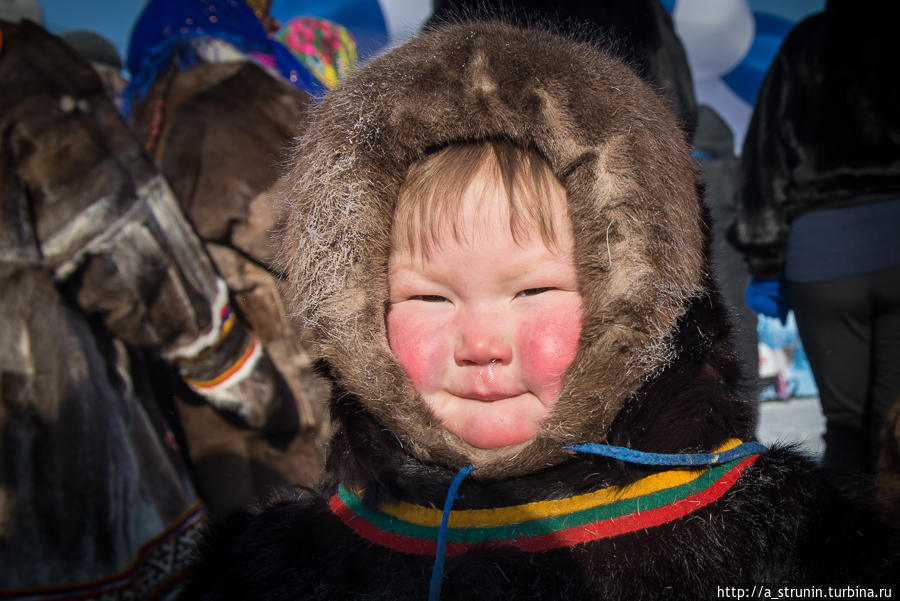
639, 233
655, 370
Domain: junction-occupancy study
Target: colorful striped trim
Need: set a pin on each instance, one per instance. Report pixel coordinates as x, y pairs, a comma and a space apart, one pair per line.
234, 372
484, 518
542, 525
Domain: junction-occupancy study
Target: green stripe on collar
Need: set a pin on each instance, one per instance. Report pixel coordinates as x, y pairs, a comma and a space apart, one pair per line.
542, 525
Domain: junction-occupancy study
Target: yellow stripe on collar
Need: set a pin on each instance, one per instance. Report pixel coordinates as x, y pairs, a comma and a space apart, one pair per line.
482, 518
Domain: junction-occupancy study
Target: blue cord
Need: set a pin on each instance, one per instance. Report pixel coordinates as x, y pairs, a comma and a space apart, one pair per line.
437, 572
632, 456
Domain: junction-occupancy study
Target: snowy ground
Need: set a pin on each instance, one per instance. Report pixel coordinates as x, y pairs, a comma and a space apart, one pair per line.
796, 420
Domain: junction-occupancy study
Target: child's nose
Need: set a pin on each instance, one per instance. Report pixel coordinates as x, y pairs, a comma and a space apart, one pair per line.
482, 341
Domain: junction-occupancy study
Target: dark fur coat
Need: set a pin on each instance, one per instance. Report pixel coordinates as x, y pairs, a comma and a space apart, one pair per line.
825, 130
655, 370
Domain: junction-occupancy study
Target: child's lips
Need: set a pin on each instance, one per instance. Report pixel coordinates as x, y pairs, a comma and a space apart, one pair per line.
486, 396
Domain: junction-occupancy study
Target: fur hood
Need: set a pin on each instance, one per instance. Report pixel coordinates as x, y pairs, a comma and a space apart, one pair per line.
639, 225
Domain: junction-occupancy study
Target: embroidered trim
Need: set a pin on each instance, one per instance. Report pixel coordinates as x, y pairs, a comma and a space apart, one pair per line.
160, 564
543, 525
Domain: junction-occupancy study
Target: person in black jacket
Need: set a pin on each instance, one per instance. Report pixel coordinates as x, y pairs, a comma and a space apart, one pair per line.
820, 212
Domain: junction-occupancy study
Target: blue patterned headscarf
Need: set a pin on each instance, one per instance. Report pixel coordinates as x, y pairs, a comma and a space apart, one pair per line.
166, 29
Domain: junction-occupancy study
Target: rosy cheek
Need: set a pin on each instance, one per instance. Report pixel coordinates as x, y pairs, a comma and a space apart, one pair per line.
548, 343
416, 344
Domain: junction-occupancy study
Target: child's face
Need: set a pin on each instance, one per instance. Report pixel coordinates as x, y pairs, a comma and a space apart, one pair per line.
486, 326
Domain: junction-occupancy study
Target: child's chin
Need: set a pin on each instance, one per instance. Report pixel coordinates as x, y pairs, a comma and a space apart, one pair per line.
492, 425
496, 438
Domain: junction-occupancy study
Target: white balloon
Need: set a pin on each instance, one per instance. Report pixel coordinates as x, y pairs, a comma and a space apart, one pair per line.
717, 34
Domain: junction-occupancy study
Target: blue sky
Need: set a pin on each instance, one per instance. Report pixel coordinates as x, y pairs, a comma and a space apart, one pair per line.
110, 18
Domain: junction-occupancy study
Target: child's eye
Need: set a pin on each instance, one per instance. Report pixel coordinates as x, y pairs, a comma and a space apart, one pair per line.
428, 298
533, 291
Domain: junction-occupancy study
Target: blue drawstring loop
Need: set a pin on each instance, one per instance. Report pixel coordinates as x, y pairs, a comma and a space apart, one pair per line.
437, 572
632, 456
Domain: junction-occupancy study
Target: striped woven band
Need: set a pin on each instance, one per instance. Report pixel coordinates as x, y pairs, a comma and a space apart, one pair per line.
543, 525
229, 359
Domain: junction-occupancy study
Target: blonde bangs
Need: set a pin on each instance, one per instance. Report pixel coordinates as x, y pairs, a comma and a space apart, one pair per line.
430, 203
